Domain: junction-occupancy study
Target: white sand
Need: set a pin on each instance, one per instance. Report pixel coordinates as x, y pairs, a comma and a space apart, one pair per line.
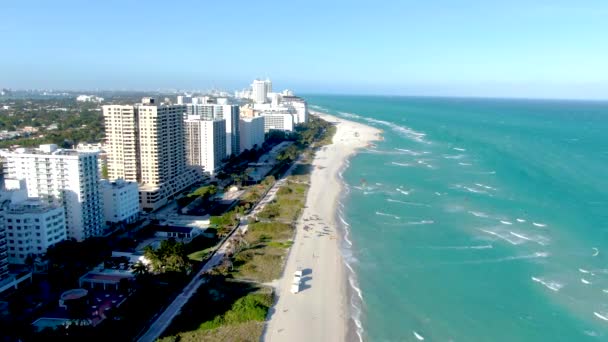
319, 312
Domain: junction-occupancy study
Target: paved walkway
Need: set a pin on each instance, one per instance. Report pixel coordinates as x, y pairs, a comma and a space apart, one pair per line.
162, 322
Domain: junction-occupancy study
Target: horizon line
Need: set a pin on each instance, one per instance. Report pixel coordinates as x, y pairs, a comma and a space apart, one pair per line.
437, 96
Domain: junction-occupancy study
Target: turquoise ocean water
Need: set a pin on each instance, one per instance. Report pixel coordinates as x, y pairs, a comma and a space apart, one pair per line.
478, 219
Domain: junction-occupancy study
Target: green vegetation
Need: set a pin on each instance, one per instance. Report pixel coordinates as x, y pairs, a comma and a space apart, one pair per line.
224, 223
204, 193
170, 256
287, 205
229, 311
75, 121
201, 255
262, 252
228, 306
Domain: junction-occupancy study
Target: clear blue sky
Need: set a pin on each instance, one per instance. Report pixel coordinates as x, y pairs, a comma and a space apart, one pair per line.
515, 48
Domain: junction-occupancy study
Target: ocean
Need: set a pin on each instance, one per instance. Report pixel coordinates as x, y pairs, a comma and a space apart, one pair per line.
477, 219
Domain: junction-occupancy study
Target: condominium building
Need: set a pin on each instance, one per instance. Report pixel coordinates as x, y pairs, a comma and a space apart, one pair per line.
279, 121
145, 144
259, 91
122, 144
252, 132
4, 203
61, 176
120, 201
205, 142
32, 226
298, 106
225, 111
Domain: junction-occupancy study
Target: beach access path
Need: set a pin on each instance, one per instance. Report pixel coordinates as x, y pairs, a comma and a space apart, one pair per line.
320, 311
162, 321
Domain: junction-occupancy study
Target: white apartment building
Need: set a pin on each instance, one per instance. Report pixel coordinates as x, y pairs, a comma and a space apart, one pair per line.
205, 142
252, 132
122, 143
297, 106
280, 121
32, 226
259, 91
184, 99
66, 177
4, 203
146, 144
120, 201
89, 98
228, 112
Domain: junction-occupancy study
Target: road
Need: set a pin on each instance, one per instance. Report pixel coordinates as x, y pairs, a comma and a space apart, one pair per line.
162, 322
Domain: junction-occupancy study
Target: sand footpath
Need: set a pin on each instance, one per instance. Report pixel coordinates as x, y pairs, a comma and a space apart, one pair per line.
320, 311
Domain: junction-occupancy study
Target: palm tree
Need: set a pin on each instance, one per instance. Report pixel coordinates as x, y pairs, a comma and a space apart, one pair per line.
140, 269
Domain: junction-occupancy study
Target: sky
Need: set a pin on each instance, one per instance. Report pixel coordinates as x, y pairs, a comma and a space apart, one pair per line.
517, 48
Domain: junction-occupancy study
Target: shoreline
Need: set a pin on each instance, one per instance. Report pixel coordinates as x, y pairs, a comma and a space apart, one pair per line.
322, 310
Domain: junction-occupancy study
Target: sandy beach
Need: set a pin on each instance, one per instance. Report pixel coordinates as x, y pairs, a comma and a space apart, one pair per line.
320, 311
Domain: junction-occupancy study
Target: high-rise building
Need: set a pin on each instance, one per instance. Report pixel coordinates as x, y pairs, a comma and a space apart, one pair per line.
228, 112
184, 99
146, 144
259, 91
122, 142
205, 142
120, 201
66, 177
251, 132
4, 203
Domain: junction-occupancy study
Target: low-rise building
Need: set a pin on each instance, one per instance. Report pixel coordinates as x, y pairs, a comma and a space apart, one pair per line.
120, 201
32, 226
278, 121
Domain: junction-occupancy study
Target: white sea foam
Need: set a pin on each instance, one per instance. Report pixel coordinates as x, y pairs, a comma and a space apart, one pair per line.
350, 115
596, 251
409, 152
407, 203
521, 220
464, 247
506, 222
602, 315
418, 336
536, 255
478, 214
605, 290
389, 215
585, 281
459, 149
476, 191
401, 164
551, 285
541, 240
437, 193
456, 156
591, 333
582, 270
541, 225
482, 247
485, 186
403, 191
402, 130
421, 222
507, 238
465, 164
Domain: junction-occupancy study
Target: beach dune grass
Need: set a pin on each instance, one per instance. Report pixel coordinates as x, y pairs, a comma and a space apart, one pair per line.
222, 310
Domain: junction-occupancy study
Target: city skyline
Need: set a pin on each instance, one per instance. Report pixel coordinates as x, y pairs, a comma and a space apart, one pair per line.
545, 50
